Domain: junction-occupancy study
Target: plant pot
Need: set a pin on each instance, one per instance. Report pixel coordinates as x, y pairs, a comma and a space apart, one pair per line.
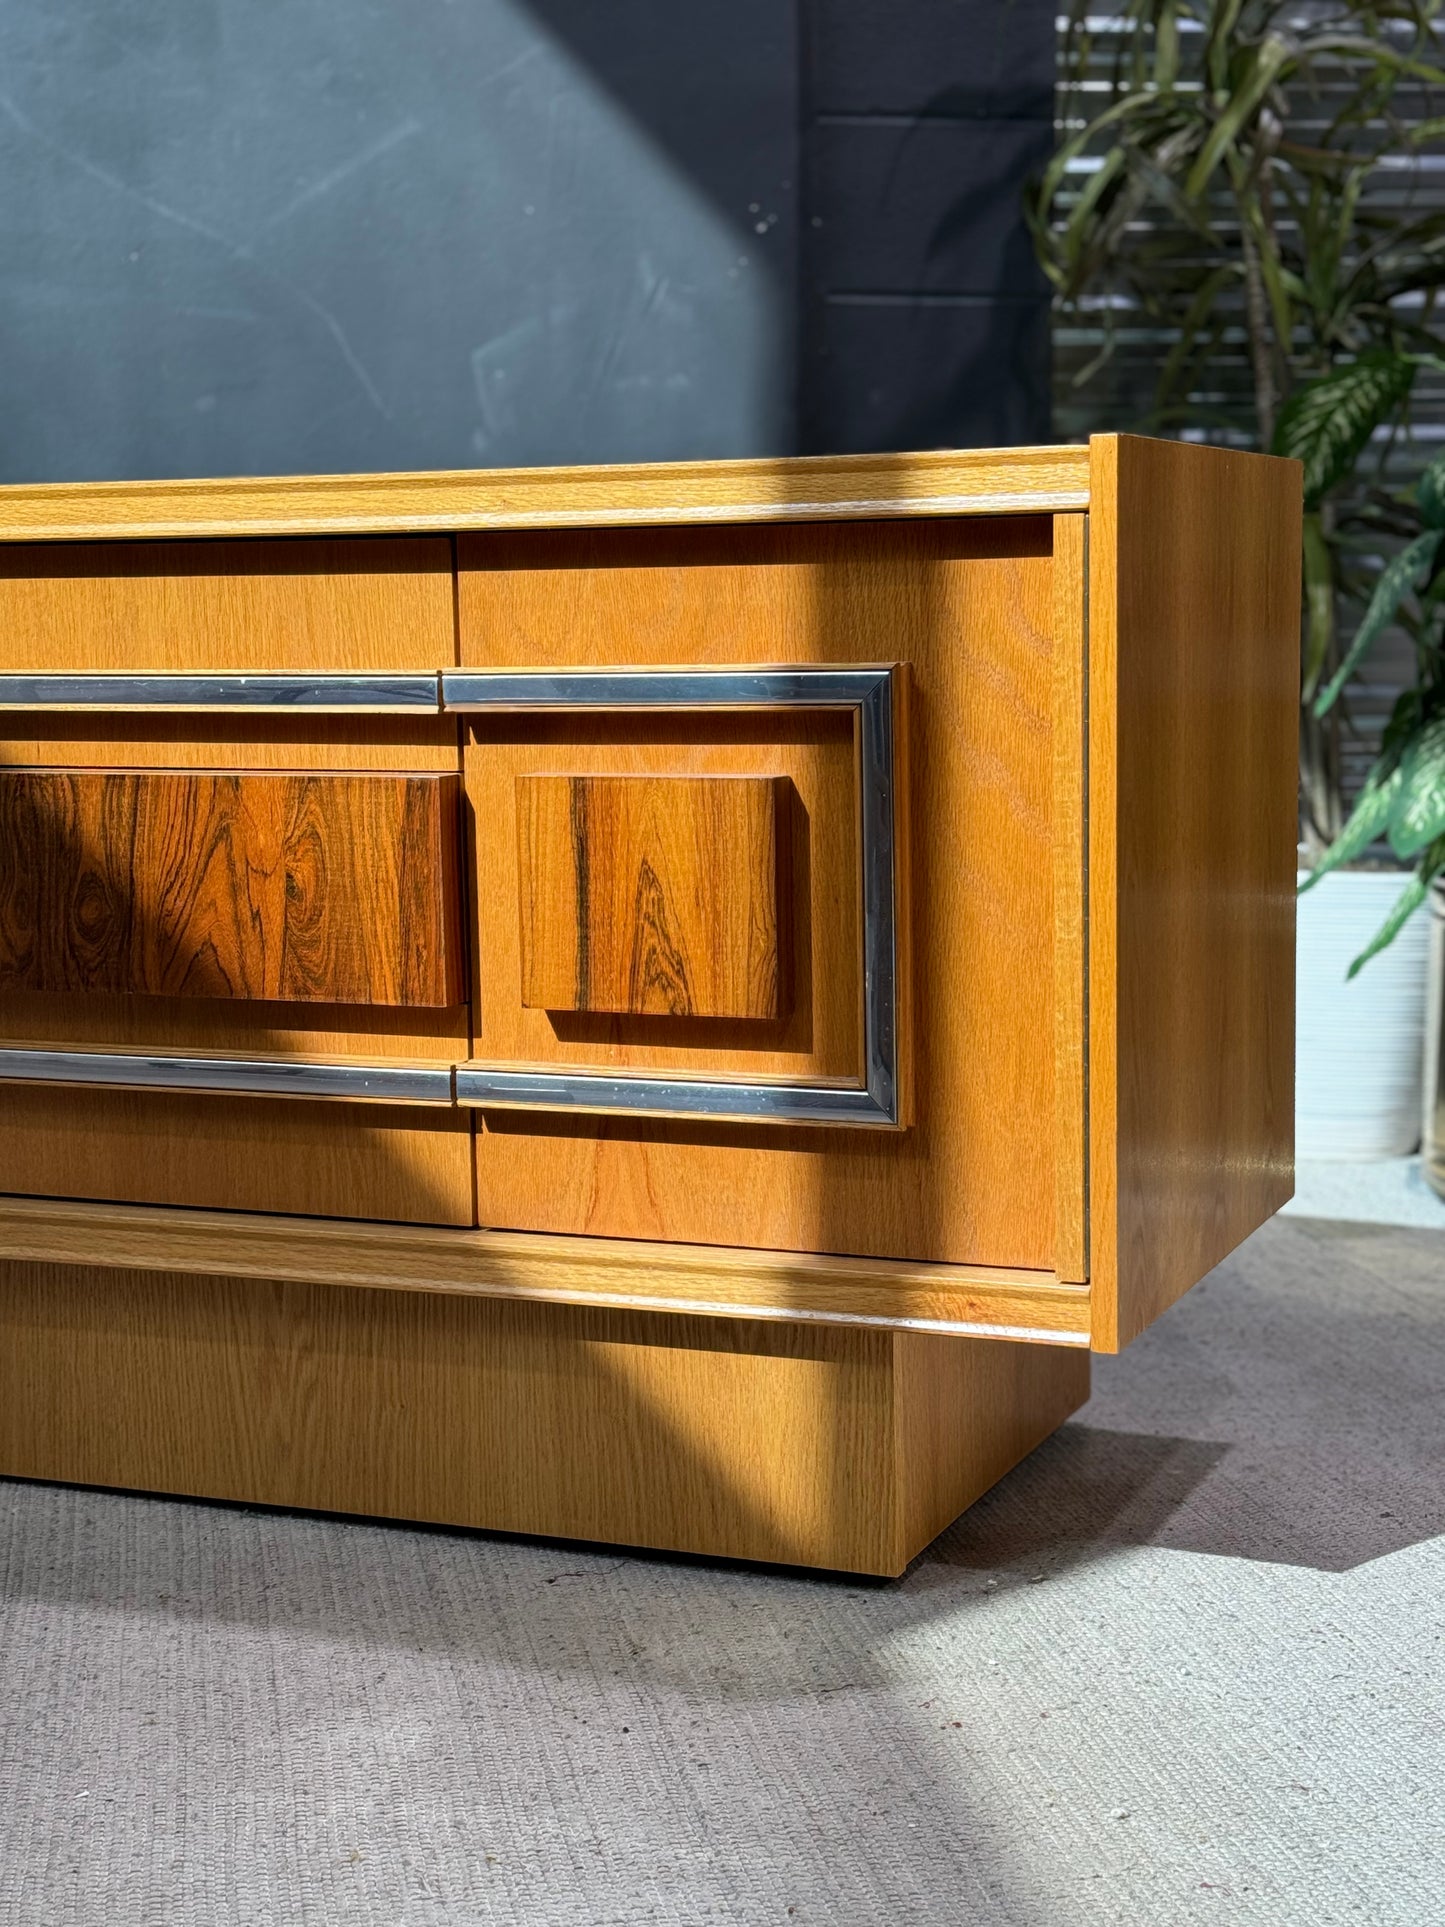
1433, 1140
1359, 1045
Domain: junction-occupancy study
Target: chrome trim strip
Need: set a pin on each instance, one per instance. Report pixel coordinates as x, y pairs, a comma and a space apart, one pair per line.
500, 1089
730, 688
238, 1076
866, 689
342, 694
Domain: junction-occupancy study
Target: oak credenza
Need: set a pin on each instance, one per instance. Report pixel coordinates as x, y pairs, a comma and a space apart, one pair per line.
668, 1005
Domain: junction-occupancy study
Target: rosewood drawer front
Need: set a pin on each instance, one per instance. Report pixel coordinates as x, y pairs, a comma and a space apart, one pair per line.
308, 887
654, 896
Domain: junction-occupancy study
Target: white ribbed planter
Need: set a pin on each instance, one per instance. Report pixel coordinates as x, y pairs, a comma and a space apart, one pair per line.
1359, 1047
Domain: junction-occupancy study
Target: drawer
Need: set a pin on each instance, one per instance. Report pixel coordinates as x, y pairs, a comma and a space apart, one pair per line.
644, 864
354, 604
260, 875
298, 887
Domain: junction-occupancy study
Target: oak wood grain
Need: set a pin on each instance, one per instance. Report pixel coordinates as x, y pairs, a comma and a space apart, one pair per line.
1070, 847
1194, 684
238, 1154
969, 606
303, 888
967, 1300
962, 1426
150, 606
788, 489
651, 897
807, 1444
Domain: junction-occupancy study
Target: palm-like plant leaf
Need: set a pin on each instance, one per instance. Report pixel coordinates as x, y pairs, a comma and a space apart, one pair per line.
1236, 189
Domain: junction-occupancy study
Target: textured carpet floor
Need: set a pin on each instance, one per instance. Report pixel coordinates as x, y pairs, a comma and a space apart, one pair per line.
1185, 1665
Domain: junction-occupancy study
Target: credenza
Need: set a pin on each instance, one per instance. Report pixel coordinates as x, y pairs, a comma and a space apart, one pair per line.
670, 1005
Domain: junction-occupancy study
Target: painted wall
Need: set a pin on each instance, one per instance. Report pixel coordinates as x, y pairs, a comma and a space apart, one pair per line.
268, 236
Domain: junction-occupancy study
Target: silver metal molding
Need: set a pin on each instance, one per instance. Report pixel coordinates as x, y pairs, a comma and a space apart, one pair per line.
869, 692
336, 695
236, 1076
510, 690
500, 1089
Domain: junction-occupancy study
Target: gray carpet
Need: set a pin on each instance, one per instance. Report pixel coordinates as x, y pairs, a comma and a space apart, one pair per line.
1185, 1665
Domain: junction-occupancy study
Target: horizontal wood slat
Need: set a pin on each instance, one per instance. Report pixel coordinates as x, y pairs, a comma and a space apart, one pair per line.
715, 1281
297, 888
651, 896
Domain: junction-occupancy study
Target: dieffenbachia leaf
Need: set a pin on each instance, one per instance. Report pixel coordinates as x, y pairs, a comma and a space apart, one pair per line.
1367, 822
1397, 578
1404, 906
1417, 816
1430, 495
1326, 423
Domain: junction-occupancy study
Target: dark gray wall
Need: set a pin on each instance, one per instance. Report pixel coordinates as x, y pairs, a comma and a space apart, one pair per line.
926, 317
258, 236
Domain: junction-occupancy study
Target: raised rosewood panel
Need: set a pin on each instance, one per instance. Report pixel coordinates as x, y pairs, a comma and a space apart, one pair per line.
651, 896
306, 887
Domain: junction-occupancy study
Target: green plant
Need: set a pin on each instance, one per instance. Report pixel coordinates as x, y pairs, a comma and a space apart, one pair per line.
1187, 198
1403, 798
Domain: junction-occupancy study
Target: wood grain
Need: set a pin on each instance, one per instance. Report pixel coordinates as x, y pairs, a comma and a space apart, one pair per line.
318, 605
963, 1425
238, 1154
282, 606
650, 897
1070, 851
699, 1279
818, 1032
1194, 685
790, 489
810, 1445
969, 606
303, 888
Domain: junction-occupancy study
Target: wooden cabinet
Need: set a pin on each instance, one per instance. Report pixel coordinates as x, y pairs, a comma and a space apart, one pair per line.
787, 955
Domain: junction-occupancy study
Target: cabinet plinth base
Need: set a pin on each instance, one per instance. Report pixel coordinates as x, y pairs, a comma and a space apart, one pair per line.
833, 1446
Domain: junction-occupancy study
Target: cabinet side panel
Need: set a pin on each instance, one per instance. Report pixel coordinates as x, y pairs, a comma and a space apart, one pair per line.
1194, 682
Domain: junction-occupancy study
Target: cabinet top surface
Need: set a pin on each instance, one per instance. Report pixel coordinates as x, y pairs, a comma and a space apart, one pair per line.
780, 489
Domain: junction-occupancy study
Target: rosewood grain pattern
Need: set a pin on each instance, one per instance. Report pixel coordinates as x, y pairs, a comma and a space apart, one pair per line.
1194, 559
819, 1031
651, 897
299, 888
